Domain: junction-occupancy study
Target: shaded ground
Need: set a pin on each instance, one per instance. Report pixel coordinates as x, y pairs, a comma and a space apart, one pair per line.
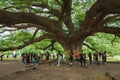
8, 67
15, 70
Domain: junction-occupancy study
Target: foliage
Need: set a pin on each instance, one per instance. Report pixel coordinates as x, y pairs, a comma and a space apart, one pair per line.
103, 42
44, 8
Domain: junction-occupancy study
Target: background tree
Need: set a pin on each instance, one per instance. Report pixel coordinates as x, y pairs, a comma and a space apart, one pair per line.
68, 22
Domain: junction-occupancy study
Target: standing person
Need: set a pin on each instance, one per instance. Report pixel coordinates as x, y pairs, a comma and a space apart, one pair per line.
23, 57
47, 55
27, 58
96, 59
71, 57
59, 57
35, 61
100, 56
104, 57
82, 59
90, 58
1, 57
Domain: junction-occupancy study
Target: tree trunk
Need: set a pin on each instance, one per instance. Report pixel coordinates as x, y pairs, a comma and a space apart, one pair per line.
75, 46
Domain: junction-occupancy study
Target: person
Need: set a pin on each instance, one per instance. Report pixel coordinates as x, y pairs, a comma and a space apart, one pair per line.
104, 57
100, 56
47, 55
23, 57
77, 56
59, 57
96, 59
35, 61
1, 56
71, 57
82, 59
27, 58
90, 58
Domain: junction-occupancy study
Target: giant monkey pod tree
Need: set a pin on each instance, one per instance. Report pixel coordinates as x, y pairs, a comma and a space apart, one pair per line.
55, 17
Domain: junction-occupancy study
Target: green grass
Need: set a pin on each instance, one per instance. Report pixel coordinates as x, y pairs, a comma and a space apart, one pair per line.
11, 58
115, 58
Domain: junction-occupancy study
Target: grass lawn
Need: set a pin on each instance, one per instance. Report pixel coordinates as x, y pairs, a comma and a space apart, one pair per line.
115, 58
11, 58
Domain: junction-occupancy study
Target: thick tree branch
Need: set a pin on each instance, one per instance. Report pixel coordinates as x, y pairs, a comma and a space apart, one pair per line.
99, 10
66, 15
106, 6
110, 30
108, 19
95, 15
22, 17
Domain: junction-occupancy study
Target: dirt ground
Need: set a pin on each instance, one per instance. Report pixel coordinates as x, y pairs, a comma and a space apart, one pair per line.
15, 70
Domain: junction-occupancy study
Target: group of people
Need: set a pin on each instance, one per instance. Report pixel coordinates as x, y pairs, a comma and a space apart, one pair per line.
96, 58
27, 58
80, 57
34, 58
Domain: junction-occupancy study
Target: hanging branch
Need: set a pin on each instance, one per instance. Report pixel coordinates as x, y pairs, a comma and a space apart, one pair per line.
50, 45
35, 33
90, 47
59, 3
113, 39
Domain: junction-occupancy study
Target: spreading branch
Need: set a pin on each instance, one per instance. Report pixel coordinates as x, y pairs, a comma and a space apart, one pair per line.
65, 15
50, 25
95, 15
109, 29
108, 19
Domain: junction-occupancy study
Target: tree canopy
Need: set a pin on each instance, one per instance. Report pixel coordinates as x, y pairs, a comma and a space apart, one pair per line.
60, 25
